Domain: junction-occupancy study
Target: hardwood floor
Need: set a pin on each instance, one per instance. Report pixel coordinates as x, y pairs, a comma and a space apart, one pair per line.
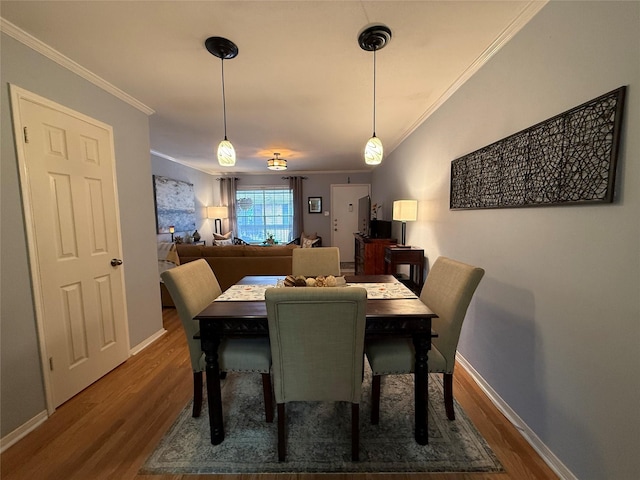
108, 430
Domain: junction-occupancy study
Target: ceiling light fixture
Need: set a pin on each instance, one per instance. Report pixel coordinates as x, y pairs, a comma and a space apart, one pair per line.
276, 163
372, 39
224, 49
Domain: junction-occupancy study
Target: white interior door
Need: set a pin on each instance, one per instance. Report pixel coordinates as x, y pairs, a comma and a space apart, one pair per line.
68, 182
344, 216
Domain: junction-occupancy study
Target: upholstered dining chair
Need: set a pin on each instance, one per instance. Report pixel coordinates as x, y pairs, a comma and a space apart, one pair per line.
317, 343
312, 262
447, 291
193, 286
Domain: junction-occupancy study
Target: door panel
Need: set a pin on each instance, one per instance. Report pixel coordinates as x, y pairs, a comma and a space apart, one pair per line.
344, 217
69, 189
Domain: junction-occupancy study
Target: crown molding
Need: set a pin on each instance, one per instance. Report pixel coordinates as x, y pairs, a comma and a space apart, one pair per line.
52, 54
527, 13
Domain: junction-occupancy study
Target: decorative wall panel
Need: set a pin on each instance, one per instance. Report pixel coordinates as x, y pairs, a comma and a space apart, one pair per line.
568, 159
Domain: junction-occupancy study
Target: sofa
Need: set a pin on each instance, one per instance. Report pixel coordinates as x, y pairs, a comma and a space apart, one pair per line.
232, 262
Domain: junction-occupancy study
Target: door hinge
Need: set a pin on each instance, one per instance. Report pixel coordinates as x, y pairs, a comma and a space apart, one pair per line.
51, 363
26, 135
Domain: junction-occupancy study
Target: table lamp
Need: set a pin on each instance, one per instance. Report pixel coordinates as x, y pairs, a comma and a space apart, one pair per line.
405, 211
217, 213
172, 230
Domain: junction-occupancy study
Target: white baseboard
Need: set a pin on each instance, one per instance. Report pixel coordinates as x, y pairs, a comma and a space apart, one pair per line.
22, 430
528, 434
145, 343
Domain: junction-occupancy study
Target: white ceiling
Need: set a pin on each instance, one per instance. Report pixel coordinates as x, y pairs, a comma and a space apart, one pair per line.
300, 85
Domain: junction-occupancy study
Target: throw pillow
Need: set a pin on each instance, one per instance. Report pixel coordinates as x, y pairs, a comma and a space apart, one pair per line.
226, 236
310, 236
308, 243
222, 243
172, 256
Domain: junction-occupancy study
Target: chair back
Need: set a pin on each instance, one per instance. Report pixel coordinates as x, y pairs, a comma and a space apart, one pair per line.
447, 292
192, 287
312, 262
317, 342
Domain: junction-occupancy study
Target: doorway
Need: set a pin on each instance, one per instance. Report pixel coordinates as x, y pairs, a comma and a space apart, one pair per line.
344, 216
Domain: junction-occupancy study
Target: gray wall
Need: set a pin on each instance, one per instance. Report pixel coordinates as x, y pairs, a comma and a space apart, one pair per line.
21, 389
555, 324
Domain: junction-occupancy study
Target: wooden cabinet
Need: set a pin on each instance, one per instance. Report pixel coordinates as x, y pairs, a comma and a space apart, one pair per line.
369, 254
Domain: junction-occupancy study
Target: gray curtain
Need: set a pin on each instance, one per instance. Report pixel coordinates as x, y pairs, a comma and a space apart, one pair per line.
228, 186
295, 183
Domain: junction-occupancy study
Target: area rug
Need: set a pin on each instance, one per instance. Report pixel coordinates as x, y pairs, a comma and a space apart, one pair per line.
319, 435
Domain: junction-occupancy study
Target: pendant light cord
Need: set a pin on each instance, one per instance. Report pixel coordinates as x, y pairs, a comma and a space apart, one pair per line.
224, 103
374, 92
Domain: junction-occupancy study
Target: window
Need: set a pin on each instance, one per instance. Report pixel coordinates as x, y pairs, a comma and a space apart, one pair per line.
264, 211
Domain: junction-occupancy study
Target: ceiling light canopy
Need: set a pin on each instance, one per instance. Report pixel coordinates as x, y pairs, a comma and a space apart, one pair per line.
276, 163
372, 39
224, 49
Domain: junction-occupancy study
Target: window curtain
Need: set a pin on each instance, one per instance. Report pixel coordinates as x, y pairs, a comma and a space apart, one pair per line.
295, 184
228, 186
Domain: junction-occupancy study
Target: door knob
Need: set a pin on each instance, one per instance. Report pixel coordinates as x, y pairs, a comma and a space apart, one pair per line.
115, 262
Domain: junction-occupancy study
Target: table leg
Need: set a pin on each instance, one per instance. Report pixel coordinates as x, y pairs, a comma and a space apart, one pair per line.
210, 344
422, 345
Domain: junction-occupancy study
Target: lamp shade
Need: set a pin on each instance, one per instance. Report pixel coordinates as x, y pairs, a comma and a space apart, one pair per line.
405, 210
217, 212
373, 151
226, 154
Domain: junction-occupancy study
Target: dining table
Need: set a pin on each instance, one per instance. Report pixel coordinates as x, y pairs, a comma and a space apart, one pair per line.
390, 312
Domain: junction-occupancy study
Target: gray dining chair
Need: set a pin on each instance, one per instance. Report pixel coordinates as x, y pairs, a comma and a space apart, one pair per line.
193, 286
312, 262
317, 343
447, 291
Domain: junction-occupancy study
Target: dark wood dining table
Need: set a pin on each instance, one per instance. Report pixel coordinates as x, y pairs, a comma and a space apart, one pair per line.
405, 317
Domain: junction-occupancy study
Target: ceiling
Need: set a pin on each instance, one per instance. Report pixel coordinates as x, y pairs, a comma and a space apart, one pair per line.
300, 85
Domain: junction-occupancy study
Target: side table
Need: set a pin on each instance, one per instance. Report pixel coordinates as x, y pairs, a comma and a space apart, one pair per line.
414, 257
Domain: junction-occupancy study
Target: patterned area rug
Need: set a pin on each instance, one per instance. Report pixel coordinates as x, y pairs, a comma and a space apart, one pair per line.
319, 436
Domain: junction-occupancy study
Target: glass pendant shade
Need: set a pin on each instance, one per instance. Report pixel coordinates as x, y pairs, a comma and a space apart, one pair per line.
226, 154
373, 151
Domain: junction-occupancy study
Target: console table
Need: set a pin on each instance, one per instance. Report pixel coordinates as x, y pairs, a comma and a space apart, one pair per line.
414, 257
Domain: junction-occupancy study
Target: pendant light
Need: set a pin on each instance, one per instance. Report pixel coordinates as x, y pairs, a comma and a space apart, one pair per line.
372, 39
224, 49
276, 163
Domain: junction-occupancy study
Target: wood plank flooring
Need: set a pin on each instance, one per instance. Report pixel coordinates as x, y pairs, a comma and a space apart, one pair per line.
108, 430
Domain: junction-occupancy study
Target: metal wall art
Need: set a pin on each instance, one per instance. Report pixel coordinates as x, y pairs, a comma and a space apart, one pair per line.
568, 159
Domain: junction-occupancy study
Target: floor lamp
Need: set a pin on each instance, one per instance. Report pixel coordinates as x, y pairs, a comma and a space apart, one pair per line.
405, 211
217, 213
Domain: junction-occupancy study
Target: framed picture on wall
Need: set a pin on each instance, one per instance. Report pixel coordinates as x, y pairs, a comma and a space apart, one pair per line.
175, 205
315, 204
